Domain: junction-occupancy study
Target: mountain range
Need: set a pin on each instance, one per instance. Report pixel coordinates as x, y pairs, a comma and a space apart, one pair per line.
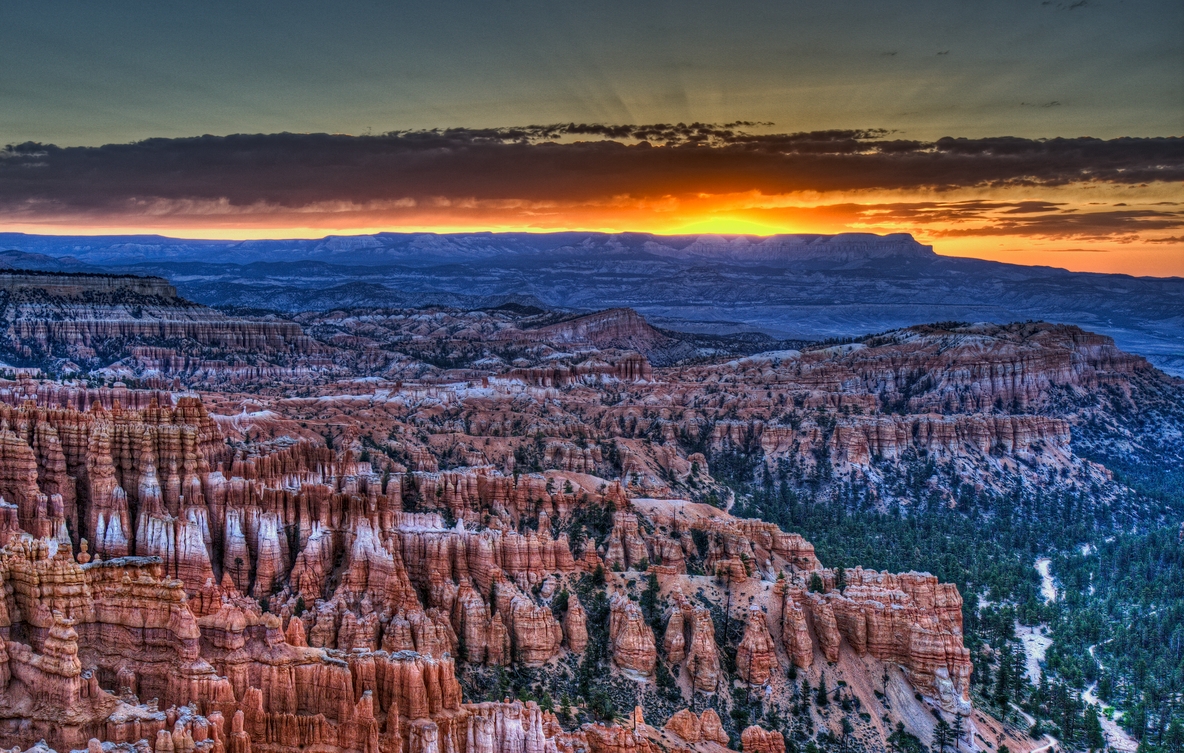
786, 286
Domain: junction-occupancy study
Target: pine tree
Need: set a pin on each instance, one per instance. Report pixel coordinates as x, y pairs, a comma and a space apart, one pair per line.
1094, 739
942, 736
821, 698
1174, 738
959, 729
1003, 679
649, 602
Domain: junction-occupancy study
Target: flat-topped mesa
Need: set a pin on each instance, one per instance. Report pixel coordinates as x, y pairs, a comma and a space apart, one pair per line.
795, 248
78, 284
971, 368
138, 326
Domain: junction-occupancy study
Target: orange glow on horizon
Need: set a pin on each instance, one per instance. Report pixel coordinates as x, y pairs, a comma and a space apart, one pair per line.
1084, 230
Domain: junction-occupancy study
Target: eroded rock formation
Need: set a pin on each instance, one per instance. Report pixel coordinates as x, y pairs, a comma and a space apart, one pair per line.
756, 656
275, 586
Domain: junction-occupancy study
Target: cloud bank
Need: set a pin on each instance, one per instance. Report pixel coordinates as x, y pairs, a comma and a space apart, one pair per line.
957, 192
557, 163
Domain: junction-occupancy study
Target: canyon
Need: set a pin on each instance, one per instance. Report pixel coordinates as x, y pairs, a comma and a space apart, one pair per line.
439, 530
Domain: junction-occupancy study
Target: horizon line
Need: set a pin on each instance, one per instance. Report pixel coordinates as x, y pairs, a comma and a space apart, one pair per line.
932, 247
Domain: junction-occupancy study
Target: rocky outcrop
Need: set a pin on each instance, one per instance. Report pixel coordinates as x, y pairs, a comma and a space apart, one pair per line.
626, 548
620, 367
710, 728
795, 634
632, 641
754, 739
858, 441
18, 485
756, 656
77, 285
674, 641
575, 626
536, 634
685, 724
692, 728
909, 619
96, 320
702, 653
603, 739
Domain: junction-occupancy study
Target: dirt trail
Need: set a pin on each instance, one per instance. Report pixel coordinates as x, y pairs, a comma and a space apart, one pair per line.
1116, 737
1048, 587
1036, 645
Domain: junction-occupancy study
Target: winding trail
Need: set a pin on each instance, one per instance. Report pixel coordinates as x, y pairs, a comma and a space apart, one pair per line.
1035, 646
1116, 737
1050, 741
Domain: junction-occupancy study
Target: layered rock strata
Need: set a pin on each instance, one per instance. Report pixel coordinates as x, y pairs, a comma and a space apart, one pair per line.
296, 594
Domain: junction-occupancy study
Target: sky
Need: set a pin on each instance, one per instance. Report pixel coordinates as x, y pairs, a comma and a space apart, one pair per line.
1040, 132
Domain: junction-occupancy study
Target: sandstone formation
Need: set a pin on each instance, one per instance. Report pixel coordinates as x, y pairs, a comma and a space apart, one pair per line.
631, 638
754, 739
142, 553
321, 569
703, 653
575, 628
756, 656
692, 728
94, 320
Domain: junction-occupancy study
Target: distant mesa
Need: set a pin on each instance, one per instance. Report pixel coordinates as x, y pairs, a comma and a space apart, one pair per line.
386, 248
77, 284
16, 259
844, 247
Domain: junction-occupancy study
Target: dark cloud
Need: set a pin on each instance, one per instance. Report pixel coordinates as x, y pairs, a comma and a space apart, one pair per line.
1084, 225
1020, 218
553, 163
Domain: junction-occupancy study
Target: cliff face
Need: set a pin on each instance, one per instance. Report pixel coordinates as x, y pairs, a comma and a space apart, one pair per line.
85, 321
293, 593
79, 285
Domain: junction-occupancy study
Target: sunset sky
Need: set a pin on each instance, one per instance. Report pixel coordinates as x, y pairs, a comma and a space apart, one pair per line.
1030, 132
